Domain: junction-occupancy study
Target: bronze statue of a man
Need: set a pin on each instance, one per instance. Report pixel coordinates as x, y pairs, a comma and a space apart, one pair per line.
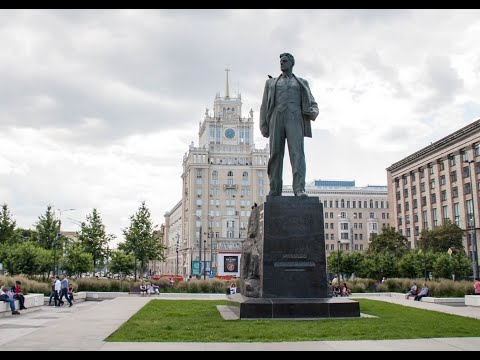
287, 108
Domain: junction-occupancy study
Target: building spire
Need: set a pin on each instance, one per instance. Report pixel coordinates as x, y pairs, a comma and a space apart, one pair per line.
227, 91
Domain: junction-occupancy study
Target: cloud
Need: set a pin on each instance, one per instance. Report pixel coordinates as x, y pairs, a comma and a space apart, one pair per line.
98, 107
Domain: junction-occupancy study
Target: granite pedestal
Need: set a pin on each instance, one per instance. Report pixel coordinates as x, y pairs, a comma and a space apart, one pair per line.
290, 276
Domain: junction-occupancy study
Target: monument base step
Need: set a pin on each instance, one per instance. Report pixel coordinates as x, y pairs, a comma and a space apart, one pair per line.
291, 308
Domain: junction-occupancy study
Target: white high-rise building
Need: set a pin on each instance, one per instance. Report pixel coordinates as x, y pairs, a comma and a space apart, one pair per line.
222, 179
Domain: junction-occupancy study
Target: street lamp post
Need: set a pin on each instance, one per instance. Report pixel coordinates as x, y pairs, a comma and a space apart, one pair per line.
338, 264
473, 226
204, 258
57, 237
176, 249
424, 258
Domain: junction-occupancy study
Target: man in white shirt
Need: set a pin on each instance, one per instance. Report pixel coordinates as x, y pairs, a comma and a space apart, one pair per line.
58, 289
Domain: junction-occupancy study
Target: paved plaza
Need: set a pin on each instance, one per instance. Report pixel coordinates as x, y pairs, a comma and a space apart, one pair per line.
85, 326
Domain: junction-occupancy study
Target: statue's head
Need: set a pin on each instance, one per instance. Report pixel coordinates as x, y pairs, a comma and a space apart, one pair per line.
286, 61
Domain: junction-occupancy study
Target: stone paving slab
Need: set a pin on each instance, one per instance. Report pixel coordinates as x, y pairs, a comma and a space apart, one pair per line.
85, 326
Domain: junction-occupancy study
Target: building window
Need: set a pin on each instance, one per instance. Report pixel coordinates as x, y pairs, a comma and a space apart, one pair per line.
463, 154
415, 205
432, 184
372, 215
435, 219
414, 190
215, 178
371, 204
434, 198
444, 213
441, 165
399, 208
444, 195
245, 178
359, 215
476, 148
415, 217
343, 214
455, 192
331, 215
398, 195
468, 188
424, 201
442, 180
326, 237
331, 225
451, 159
405, 193
342, 202
456, 214
421, 172
430, 169
425, 219
408, 232
412, 175
453, 176
405, 180
422, 187
417, 231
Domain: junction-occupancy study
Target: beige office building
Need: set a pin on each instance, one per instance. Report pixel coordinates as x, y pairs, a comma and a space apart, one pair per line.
438, 183
222, 179
351, 213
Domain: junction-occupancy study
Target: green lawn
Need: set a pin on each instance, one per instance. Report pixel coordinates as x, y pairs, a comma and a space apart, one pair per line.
199, 321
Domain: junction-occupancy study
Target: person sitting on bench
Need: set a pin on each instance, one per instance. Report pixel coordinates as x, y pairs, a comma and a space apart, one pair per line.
4, 297
422, 293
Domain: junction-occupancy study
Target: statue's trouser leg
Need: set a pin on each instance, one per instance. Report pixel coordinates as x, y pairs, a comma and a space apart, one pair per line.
295, 141
277, 151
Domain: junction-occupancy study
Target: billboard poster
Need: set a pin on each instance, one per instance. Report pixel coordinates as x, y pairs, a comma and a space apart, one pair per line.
230, 264
196, 267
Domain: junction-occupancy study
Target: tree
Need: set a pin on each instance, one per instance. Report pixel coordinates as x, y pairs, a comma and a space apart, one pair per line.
457, 264
441, 238
7, 226
352, 262
390, 240
411, 264
24, 235
77, 261
122, 263
140, 240
378, 265
27, 258
93, 238
47, 230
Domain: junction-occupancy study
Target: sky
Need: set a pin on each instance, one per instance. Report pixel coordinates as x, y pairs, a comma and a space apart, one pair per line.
98, 107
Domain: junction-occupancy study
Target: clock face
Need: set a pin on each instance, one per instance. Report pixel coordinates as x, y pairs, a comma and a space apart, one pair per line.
230, 133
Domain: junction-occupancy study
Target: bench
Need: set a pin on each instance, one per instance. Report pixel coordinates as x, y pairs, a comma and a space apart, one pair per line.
472, 300
31, 301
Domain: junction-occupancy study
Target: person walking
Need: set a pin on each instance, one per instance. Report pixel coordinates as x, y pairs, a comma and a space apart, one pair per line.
64, 291
476, 286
